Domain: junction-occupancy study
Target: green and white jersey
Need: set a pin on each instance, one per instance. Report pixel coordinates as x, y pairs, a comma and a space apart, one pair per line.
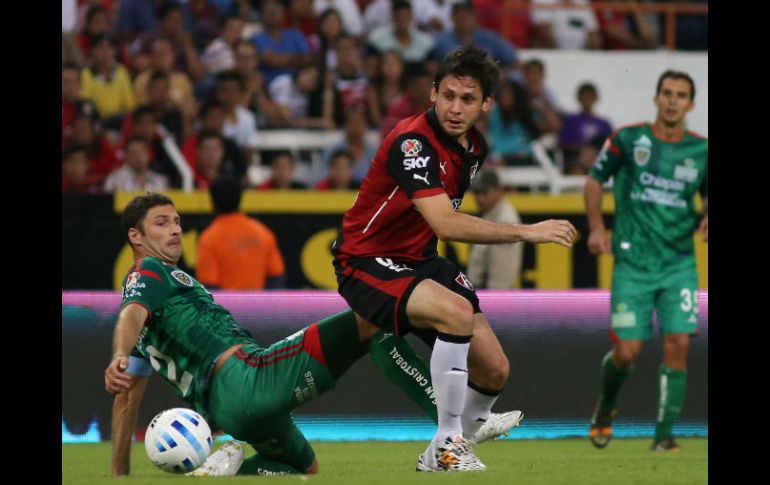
655, 185
186, 330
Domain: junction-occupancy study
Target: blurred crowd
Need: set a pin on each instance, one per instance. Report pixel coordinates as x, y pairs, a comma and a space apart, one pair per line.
148, 85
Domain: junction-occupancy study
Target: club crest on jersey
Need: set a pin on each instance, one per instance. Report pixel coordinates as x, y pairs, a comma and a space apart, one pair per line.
132, 280
411, 147
464, 281
182, 277
474, 169
641, 155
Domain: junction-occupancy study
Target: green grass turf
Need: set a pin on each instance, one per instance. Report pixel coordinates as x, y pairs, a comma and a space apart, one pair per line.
536, 462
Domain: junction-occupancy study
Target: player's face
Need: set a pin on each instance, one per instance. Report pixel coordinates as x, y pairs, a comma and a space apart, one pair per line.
459, 104
674, 101
162, 235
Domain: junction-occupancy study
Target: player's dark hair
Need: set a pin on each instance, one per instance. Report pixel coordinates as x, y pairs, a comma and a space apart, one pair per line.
166, 8
208, 134
136, 211
135, 139
210, 105
671, 74
342, 153
72, 149
400, 4
470, 61
231, 75
226, 194
587, 87
158, 76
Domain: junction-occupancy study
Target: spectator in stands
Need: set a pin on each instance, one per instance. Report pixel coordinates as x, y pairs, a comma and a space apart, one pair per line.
490, 15
301, 16
75, 172
220, 53
349, 80
432, 16
212, 119
210, 159
349, 11
282, 173
385, 87
101, 154
494, 266
106, 82
579, 129
71, 102
171, 26
204, 22
511, 126
135, 173
237, 252
136, 17
340, 175
416, 98
323, 42
414, 45
565, 28
294, 101
144, 125
70, 53
281, 51
353, 142
97, 23
466, 31
255, 97
542, 99
621, 31
162, 59
167, 112
240, 123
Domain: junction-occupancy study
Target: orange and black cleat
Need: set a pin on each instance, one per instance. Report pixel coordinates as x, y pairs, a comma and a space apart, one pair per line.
601, 426
667, 444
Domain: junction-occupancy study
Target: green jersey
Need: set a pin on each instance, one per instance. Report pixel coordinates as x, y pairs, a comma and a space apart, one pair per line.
186, 330
655, 185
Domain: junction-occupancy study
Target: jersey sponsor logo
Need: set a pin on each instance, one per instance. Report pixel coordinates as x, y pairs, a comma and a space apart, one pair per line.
412, 163
650, 179
622, 318
182, 277
388, 263
464, 281
686, 172
643, 140
424, 178
442, 166
411, 147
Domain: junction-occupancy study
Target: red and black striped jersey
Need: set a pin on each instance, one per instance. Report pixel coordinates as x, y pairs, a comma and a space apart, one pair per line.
417, 159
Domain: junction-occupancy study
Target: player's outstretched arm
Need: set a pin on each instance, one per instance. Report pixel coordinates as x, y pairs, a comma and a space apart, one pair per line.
125, 411
456, 226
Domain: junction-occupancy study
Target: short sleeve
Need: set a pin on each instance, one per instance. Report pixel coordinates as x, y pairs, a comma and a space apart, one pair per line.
413, 162
147, 285
610, 159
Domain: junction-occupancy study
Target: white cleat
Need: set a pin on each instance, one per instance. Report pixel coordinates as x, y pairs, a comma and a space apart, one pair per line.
497, 425
454, 455
224, 462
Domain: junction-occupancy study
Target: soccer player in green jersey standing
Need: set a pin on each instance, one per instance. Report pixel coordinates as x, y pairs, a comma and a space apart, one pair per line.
657, 170
170, 323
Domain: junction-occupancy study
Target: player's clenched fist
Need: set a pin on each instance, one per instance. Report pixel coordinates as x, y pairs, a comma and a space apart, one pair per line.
553, 230
599, 242
115, 378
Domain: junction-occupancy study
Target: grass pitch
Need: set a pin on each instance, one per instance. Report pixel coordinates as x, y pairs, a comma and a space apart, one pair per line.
535, 462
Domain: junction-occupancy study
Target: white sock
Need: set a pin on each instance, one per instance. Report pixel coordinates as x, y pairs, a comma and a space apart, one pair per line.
449, 372
478, 406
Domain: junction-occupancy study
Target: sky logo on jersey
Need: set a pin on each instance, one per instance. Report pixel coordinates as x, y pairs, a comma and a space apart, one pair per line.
182, 277
418, 162
411, 147
464, 281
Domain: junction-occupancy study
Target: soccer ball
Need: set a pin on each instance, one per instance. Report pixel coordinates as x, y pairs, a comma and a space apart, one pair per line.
178, 440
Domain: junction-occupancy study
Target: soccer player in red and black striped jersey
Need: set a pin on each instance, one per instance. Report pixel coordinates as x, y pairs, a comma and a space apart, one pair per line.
386, 262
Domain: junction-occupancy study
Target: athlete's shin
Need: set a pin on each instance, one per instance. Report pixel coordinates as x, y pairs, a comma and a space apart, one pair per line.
478, 406
449, 371
672, 385
396, 359
612, 379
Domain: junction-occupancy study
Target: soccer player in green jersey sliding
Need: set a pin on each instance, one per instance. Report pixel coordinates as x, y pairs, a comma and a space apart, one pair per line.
170, 323
658, 168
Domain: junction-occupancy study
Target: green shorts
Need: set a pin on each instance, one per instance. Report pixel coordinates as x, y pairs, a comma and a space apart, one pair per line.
673, 294
252, 395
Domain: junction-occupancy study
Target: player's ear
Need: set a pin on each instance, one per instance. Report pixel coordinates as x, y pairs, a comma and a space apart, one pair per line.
433, 93
486, 104
134, 236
